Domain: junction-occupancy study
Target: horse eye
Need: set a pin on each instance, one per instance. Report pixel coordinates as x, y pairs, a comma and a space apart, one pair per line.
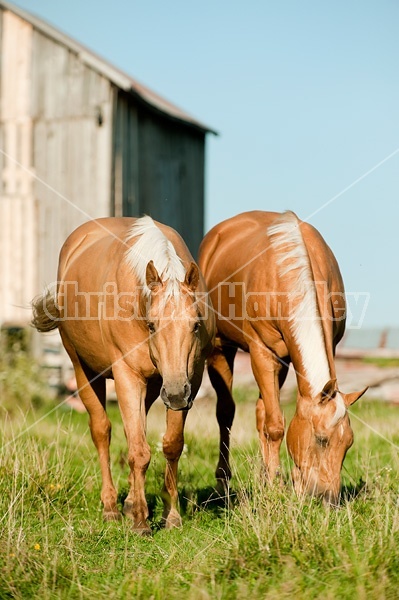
322, 440
151, 327
196, 327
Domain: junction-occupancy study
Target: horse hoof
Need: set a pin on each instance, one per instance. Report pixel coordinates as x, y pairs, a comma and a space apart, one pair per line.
222, 488
173, 521
128, 510
142, 531
111, 515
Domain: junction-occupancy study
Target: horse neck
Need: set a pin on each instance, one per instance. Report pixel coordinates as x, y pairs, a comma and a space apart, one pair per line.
311, 344
307, 337
310, 359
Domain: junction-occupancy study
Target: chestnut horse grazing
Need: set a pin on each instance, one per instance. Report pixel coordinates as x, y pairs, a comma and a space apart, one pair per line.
132, 305
278, 294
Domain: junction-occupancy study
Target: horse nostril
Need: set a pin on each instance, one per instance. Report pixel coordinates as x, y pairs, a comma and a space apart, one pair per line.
164, 396
176, 398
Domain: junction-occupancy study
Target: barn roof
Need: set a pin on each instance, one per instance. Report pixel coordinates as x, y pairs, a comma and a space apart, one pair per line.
116, 76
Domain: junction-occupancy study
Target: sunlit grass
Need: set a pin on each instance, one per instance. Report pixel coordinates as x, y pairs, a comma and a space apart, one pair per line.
267, 544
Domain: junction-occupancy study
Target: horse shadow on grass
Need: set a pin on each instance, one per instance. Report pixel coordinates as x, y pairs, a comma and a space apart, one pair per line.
354, 491
208, 499
190, 501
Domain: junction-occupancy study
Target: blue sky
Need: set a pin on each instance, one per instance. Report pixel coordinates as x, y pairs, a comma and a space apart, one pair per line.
305, 96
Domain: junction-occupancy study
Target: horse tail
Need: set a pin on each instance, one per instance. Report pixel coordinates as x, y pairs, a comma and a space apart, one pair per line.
46, 314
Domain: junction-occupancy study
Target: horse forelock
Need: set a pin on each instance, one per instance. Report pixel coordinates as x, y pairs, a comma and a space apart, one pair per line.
340, 410
304, 318
151, 244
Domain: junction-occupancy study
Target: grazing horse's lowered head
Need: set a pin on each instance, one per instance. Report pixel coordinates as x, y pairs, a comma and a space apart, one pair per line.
318, 438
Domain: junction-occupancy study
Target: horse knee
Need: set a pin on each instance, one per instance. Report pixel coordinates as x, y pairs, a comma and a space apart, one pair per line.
139, 457
275, 432
100, 430
173, 447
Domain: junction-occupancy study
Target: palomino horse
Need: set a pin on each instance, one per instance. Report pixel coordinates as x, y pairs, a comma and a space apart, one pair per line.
132, 305
278, 294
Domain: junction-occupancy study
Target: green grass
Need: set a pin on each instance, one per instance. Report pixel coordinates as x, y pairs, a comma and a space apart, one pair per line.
381, 361
268, 544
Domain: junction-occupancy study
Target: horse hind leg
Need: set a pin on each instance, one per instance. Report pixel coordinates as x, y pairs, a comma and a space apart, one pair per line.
220, 369
91, 389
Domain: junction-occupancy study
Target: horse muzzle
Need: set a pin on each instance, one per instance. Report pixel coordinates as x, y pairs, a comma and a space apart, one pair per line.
309, 483
177, 398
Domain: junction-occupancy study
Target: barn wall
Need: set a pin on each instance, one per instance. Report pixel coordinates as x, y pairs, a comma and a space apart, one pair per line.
72, 133
126, 193
17, 208
158, 169
55, 159
171, 175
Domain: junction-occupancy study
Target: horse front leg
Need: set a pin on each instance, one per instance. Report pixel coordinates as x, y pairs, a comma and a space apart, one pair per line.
131, 393
269, 418
173, 444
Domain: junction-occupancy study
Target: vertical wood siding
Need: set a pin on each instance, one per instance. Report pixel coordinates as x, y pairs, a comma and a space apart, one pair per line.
158, 169
17, 211
171, 180
72, 116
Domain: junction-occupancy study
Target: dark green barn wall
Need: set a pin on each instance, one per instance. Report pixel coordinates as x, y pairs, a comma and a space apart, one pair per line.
125, 177
158, 169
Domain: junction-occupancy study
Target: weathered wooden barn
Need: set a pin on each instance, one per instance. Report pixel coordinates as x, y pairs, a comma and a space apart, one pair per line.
80, 139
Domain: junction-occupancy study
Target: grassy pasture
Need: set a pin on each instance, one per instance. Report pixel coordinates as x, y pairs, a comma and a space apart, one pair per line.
268, 544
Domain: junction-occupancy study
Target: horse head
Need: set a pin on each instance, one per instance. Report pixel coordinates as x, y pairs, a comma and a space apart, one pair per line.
176, 331
318, 438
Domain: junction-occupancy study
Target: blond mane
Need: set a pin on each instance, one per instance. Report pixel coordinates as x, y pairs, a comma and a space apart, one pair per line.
151, 244
305, 321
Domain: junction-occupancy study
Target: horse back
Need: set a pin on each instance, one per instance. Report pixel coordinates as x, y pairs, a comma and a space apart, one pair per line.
239, 252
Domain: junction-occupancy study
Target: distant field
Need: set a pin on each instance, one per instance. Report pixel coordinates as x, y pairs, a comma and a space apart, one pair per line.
380, 361
269, 544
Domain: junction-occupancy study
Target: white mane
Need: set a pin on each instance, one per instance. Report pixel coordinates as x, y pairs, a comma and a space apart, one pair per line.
304, 317
152, 244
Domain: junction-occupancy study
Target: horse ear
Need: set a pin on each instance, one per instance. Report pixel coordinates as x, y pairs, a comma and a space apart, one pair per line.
192, 277
151, 275
329, 390
350, 399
